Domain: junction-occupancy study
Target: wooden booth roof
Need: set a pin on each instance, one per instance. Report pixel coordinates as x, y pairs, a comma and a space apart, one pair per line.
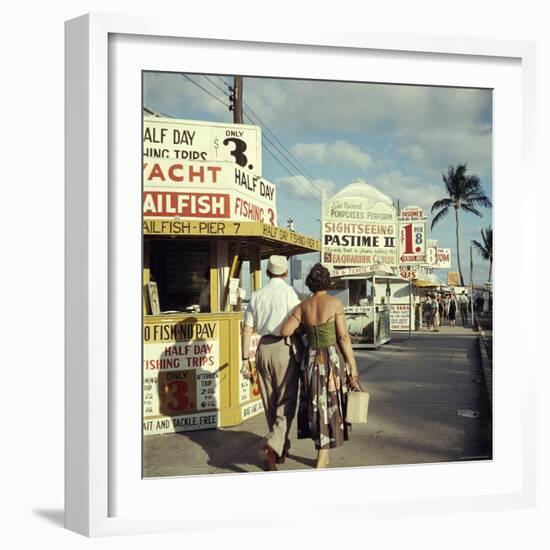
251, 236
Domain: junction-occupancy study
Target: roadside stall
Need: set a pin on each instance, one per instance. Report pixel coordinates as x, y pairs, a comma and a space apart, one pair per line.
360, 245
422, 289
368, 316
192, 353
202, 220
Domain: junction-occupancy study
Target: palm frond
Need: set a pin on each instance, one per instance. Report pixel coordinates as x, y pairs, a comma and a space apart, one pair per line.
471, 209
440, 215
481, 249
478, 199
442, 203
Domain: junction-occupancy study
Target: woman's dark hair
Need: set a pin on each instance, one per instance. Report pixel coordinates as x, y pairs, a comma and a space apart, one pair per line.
318, 278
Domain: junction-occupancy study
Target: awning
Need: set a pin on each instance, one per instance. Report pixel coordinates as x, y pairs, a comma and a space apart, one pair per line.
267, 238
425, 284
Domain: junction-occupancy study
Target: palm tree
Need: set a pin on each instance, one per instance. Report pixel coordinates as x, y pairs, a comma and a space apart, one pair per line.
465, 193
485, 248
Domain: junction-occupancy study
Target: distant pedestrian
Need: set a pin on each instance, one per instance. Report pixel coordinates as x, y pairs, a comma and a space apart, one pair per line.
441, 309
463, 304
452, 310
428, 311
435, 319
446, 302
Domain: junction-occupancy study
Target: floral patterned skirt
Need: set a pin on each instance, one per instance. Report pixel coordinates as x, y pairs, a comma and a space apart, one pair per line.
323, 398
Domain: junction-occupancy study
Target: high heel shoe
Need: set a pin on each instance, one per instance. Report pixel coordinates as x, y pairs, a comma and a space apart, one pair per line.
323, 463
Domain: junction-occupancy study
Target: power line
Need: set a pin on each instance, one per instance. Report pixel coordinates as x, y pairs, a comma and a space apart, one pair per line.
293, 165
291, 206
285, 168
204, 90
289, 157
298, 164
290, 173
224, 82
214, 84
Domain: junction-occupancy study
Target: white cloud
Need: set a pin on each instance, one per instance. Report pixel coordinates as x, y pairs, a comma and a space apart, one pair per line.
301, 188
419, 128
339, 152
173, 94
410, 190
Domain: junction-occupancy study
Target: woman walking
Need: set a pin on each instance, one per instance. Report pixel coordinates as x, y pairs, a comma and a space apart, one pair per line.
452, 310
325, 377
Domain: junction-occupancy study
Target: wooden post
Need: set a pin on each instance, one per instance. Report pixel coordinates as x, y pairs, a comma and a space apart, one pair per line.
214, 275
238, 100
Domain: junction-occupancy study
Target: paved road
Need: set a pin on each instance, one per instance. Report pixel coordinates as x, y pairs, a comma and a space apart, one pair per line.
416, 388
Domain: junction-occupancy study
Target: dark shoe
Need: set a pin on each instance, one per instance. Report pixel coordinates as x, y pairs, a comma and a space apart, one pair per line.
286, 451
281, 459
270, 458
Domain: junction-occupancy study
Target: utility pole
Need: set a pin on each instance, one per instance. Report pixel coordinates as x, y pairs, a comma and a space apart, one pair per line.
471, 287
236, 105
236, 99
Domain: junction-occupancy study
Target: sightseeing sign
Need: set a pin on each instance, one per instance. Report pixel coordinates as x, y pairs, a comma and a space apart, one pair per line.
194, 169
359, 229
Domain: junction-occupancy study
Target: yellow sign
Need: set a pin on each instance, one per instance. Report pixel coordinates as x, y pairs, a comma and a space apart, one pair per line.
453, 278
228, 229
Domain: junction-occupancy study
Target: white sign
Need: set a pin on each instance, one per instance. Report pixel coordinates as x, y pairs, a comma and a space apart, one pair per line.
412, 235
181, 376
412, 214
359, 228
431, 252
399, 317
252, 409
444, 258
247, 389
181, 423
409, 271
208, 176
192, 140
177, 189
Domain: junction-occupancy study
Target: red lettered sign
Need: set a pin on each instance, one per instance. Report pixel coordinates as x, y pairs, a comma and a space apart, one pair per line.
185, 205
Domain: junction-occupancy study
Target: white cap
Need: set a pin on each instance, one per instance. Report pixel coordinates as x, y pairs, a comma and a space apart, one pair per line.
277, 265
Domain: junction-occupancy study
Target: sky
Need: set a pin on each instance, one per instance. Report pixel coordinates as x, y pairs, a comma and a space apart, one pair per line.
398, 138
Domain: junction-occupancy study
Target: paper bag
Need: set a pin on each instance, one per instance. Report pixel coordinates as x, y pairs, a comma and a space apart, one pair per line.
358, 407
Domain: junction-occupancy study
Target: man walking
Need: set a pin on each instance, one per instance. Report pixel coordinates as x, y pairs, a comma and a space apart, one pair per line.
463, 302
277, 369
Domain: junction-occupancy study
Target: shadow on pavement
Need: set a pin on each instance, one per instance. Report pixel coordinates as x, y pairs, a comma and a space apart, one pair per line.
228, 449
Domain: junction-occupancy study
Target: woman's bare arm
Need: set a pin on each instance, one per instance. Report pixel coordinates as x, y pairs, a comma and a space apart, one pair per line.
292, 322
344, 341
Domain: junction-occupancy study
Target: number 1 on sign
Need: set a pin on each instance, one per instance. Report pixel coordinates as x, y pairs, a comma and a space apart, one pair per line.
407, 238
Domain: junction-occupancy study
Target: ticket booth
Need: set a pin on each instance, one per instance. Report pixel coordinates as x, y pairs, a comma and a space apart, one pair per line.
193, 305
368, 313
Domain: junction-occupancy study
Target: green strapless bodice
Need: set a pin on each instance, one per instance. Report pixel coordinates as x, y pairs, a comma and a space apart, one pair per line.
321, 336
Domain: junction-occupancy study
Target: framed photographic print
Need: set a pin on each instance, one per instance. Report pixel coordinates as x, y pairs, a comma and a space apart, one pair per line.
258, 225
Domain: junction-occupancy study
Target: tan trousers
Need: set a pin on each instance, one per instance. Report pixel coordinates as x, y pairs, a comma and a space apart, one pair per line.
278, 380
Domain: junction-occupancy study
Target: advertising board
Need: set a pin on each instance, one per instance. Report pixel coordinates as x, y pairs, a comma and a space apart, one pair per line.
181, 376
412, 235
194, 140
359, 228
